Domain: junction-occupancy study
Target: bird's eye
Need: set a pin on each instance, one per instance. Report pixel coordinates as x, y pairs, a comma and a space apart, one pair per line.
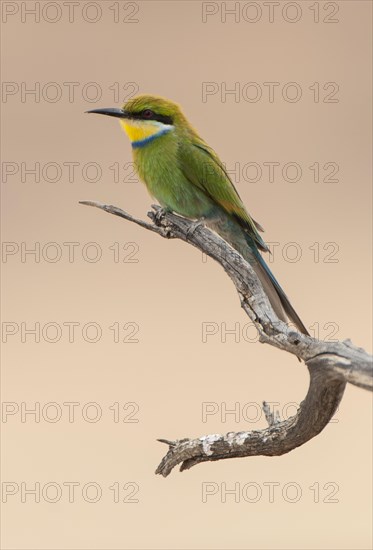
148, 113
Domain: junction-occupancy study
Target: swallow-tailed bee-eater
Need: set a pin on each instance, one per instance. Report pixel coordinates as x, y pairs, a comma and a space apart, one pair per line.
187, 177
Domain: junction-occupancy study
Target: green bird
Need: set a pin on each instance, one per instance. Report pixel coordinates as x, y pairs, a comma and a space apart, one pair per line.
187, 177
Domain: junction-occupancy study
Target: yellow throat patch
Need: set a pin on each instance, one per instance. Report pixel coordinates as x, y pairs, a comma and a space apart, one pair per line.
139, 130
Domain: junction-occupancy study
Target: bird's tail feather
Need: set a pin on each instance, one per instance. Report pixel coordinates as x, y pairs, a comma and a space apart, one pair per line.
245, 245
275, 293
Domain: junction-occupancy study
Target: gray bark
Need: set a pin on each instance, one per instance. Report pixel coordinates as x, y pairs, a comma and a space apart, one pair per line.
330, 364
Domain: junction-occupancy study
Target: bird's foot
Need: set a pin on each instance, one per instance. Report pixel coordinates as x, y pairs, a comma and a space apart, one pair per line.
193, 227
159, 214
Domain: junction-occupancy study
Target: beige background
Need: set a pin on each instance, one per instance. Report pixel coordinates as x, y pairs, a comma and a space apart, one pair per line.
170, 292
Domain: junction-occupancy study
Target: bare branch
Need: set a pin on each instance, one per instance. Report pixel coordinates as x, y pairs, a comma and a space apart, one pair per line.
313, 415
330, 364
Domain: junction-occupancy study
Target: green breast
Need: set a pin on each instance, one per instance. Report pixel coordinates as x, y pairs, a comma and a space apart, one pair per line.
157, 165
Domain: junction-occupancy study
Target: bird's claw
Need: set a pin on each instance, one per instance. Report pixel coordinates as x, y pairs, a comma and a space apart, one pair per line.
158, 215
191, 229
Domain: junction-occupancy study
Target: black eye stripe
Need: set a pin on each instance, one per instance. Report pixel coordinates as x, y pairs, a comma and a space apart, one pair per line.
159, 118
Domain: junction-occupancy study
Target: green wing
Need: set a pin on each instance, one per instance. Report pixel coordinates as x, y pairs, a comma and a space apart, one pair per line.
203, 168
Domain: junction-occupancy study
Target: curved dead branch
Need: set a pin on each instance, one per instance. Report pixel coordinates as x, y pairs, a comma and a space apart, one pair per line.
330, 364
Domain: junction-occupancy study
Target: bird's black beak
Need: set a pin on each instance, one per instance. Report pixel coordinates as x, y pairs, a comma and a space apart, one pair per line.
118, 113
